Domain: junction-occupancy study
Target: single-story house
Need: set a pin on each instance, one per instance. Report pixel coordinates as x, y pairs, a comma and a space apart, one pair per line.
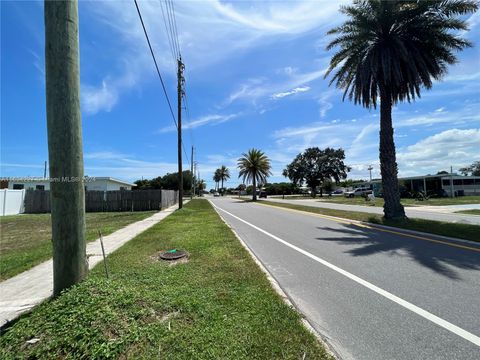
91, 183
439, 184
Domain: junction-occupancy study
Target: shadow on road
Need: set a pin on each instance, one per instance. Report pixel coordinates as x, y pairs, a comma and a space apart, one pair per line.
438, 257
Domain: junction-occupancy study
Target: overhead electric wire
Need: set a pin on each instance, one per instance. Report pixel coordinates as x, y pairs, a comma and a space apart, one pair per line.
172, 30
156, 65
158, 72
170, 38
174, 18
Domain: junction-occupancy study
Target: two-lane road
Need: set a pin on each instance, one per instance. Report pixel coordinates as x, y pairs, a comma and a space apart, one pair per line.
372, 294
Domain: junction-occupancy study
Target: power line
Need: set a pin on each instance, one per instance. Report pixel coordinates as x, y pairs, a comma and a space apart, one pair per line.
169, 38
175, 26
155, 61
172, 30
158, 71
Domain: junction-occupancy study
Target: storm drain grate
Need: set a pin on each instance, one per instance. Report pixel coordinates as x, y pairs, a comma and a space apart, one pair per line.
173, 254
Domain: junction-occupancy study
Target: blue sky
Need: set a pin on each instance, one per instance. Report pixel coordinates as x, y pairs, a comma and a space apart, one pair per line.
254, 79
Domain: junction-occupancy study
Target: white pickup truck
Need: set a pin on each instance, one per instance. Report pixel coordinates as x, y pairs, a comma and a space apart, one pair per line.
358, 192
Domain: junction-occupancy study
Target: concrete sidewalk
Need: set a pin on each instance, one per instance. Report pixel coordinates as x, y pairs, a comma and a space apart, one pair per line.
24, 291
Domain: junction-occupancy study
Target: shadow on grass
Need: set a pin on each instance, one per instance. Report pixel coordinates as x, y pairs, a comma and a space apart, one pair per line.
437, 257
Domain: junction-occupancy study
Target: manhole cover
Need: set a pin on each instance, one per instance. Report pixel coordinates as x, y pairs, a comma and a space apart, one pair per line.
173, 254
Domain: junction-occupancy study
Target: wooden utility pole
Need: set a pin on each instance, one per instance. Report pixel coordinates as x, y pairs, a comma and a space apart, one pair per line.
192, 175
65, 153
181, 81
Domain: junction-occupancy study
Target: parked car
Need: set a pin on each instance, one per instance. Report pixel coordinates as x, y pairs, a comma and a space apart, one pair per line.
357, 192
216, 193
337, 192
262, 194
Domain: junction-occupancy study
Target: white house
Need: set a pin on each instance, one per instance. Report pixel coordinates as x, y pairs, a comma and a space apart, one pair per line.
91, 183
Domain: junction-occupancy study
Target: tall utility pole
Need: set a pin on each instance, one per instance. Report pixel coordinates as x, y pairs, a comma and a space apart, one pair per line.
370, 168
192, 188
180, 93
65, 153
45, 170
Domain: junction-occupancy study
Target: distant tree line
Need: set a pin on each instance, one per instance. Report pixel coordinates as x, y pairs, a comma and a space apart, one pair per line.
166, 182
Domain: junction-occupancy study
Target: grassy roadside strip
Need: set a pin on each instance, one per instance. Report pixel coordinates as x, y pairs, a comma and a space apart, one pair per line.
26, 240
219, 304
469, 212
461, 231
379, 201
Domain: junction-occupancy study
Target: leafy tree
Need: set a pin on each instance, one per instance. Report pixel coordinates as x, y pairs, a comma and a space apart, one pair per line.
388, 50
254, 166
201, 185
283, 188
443, 172
350, 182
166, 182
473, 169
315, 167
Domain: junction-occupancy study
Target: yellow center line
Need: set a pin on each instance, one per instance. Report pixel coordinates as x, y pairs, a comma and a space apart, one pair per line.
340, 220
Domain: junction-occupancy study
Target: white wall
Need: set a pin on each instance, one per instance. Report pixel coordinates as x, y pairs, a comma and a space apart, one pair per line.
11, 202
30, 184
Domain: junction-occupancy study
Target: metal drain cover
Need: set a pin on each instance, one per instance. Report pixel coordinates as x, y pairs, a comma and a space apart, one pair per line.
173, 254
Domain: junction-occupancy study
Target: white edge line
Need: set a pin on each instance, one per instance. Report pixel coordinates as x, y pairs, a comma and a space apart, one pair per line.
279, 290
417, 310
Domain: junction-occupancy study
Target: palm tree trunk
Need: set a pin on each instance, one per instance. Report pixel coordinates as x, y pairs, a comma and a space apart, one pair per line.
222, 188
314, 193
392, 209
254, 188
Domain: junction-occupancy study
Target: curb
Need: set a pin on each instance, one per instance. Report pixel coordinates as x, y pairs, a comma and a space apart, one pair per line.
278, 289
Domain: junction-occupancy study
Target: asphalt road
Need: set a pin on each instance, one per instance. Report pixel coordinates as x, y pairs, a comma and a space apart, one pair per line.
371, 294
411, 212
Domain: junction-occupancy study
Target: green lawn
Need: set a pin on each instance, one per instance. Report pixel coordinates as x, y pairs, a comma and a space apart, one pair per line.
469, 212
25, 240
462, 231
218, 305
406, 202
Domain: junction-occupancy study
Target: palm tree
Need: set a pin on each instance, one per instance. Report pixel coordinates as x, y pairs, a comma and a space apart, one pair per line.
216, 178
254, 166
388, 50
224, 174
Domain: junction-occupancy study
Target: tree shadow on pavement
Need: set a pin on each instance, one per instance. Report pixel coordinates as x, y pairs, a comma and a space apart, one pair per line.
438, 257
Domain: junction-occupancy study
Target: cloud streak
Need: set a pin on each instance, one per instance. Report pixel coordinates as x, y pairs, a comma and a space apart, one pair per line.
213, 119
297, 90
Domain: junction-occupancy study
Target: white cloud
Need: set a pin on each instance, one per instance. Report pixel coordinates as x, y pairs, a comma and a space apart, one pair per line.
207, 27
451, 147
213, 119
324, 102
95, 99
291, 92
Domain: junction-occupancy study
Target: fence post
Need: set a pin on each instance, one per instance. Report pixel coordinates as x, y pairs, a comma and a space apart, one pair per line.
4, 201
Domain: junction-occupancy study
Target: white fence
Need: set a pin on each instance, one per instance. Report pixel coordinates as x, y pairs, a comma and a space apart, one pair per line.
11, 202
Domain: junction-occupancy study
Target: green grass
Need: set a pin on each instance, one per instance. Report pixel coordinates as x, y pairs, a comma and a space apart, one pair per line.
469, 212
25, 240
406, 202
218, 305
462, 231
